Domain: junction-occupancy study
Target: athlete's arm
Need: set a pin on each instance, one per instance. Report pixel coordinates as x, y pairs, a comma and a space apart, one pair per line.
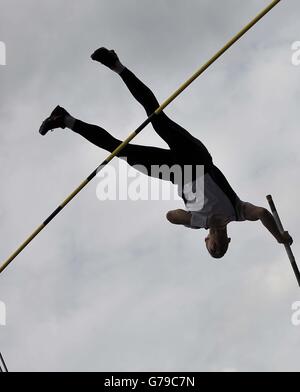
254, 213
179, 217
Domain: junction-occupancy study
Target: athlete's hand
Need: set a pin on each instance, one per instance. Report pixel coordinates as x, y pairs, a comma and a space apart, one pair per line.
286, 239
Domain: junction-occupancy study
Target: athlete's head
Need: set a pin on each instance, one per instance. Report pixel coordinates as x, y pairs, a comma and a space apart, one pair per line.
217, 242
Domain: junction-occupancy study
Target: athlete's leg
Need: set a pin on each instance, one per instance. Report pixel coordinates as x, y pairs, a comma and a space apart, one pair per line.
155, 162
181, 142
143, 158
174, 135
189, 152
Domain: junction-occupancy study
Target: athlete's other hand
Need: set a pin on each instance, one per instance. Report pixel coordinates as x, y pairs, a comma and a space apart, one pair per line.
286, 239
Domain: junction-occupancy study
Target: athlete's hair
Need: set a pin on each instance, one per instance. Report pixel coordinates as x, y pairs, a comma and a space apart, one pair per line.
218, 254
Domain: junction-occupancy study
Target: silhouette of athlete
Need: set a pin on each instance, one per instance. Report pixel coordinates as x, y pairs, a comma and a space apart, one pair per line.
221, 204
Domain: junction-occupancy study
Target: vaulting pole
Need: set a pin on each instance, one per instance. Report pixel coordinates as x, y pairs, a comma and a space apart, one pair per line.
138, 130
3, 364
287, 247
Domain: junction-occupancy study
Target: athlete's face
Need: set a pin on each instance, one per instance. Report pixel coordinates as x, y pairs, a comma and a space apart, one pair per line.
217, 244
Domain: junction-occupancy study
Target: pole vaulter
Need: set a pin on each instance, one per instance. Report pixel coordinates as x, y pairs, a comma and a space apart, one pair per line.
60, 118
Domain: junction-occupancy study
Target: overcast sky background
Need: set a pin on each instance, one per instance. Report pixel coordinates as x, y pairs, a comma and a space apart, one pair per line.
112, 286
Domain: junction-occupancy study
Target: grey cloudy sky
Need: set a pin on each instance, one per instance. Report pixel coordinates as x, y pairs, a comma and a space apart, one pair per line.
111, 286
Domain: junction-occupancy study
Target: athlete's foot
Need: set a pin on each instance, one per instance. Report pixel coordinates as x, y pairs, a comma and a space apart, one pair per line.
55, 120
109, 58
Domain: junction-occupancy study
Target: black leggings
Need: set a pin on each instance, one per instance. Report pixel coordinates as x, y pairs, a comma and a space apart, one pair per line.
184, 149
